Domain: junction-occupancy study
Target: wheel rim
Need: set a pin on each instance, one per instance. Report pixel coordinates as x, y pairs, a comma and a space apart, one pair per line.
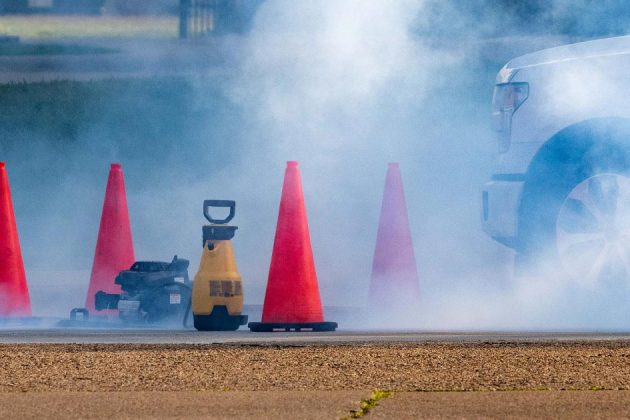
593, 230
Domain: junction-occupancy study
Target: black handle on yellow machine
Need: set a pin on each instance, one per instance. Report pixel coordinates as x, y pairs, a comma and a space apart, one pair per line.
231, 204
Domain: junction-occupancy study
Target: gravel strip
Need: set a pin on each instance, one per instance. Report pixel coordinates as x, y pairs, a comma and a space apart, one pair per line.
401, 367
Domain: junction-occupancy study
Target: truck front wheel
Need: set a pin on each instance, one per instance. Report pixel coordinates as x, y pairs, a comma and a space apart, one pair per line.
592, 230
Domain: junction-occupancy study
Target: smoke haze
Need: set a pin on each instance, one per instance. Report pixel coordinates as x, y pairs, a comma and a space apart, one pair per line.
343, 87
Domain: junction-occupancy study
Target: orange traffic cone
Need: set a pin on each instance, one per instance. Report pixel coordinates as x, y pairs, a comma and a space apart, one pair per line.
14, 297
114, 246
394, 286
292, 299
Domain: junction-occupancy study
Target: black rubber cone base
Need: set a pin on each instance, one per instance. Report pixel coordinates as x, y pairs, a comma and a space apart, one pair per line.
291, 326
219, 320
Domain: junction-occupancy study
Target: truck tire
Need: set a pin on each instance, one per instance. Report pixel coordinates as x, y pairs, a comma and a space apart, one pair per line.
593, 230
572, 214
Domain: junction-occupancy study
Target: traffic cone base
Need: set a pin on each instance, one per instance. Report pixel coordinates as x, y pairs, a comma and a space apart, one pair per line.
292, 301
291, 326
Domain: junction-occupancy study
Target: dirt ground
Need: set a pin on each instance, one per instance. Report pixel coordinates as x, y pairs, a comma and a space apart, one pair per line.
587, 379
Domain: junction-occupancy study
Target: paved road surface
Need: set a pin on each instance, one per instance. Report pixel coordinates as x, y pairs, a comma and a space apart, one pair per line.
91, 336
315, 405
501, 405
181, 405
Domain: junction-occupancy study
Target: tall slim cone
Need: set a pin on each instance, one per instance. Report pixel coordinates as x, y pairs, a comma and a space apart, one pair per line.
14, 297
114, 246
292, 299
394, 284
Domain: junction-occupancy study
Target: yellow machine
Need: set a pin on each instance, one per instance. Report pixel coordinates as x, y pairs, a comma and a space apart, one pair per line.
217, 295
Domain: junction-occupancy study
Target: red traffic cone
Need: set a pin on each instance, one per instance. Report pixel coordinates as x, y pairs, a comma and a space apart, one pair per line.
394, 286
14, 297
114, 246
292, 298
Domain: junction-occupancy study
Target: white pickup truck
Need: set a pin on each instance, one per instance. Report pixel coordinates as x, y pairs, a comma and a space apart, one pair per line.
559, 191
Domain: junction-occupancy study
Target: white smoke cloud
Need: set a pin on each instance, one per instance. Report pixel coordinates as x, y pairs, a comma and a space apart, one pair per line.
344, 87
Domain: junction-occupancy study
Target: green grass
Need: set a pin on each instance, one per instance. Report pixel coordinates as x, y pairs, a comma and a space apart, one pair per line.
34, 27
18, 49
61, 111
171, 116
368, 404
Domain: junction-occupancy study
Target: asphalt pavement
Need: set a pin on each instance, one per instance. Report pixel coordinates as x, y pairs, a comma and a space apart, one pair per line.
155, 336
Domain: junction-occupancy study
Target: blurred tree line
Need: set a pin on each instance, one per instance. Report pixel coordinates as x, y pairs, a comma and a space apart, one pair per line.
91, 7
439, 17
585, 18
229, 15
